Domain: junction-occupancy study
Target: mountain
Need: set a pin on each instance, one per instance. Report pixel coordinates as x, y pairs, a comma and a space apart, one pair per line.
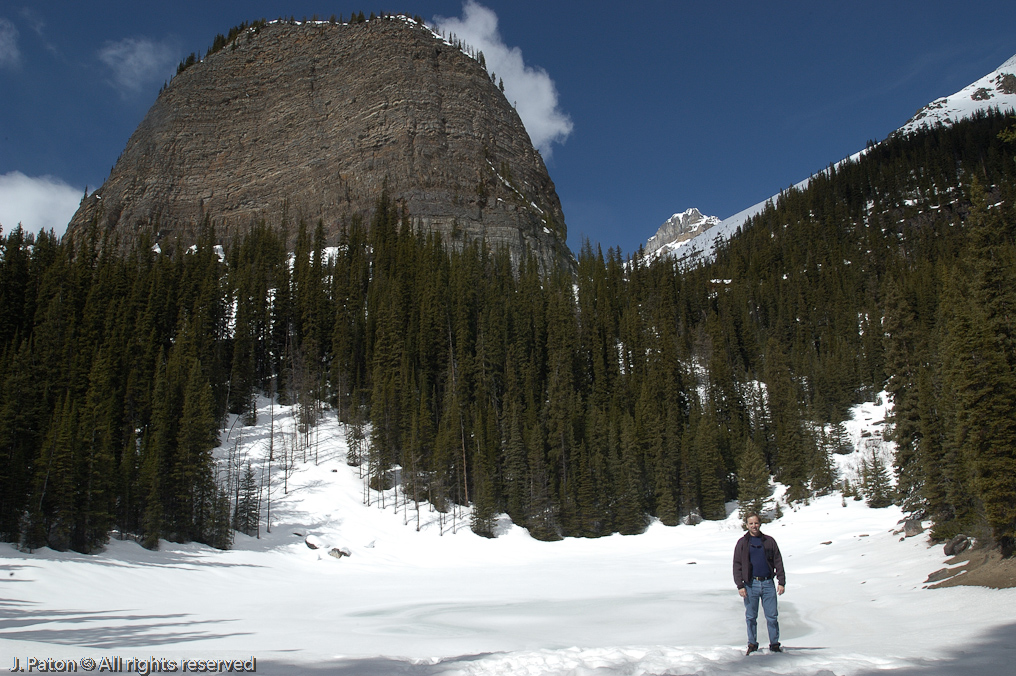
678, 229
311, 121
997, 89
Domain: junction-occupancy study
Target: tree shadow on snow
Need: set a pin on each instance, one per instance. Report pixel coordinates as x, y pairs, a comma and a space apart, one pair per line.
993, 654
125, 554
103, 629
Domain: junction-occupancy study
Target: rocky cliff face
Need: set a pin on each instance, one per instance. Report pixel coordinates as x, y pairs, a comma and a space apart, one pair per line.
309, 121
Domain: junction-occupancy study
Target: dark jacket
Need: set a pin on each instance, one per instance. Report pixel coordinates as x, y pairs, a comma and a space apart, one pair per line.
742, 560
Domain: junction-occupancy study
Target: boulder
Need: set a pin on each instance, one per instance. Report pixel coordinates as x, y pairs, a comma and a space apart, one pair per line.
912, 527
939, 575
59, 537
956, 545
339, 552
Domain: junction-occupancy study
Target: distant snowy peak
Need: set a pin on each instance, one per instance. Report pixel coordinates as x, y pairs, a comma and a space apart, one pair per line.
997, 89
696, 244
678, 229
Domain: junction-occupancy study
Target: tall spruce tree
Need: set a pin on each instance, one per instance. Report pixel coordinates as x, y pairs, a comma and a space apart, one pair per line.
752, 480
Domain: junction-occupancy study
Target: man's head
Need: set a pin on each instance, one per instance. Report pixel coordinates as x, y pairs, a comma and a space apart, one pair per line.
754, 523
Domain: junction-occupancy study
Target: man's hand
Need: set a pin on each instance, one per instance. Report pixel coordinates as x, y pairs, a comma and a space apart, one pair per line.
744, 592
779, 590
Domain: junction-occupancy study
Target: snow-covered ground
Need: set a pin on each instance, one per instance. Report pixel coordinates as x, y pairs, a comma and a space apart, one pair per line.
440, 601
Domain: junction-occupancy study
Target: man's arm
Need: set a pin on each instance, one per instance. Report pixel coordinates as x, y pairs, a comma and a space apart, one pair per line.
738, 573
781, 574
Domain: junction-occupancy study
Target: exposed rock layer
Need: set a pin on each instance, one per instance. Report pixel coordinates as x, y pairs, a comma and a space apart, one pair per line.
310, 121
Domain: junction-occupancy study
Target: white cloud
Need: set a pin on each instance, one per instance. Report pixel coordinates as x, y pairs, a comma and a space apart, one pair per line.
41, 203
10, 56
37, 24
33, 17
137, 62
529, 88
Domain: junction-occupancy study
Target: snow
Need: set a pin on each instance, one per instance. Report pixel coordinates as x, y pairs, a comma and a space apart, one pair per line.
866, 431
442, 600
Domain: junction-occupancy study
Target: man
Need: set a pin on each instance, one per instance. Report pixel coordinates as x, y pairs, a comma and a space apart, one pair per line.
757, 560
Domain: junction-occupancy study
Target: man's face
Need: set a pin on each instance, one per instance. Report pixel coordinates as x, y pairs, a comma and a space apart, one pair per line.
754, 523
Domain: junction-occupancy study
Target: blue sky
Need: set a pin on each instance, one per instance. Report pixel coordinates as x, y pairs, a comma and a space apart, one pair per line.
660, 106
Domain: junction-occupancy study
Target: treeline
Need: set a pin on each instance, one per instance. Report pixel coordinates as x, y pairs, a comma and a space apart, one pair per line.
578, 402
568, 402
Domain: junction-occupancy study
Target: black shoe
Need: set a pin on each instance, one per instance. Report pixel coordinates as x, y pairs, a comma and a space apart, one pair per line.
775, 648
752, 647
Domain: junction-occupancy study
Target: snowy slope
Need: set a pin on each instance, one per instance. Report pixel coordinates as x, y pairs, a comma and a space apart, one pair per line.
442, 600
995, 90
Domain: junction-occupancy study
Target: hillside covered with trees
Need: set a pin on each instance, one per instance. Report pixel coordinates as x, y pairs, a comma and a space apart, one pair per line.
580, 404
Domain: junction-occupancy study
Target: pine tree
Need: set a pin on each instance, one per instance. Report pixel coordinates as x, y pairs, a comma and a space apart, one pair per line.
823, 474
243, 375
516, 471
155, 450
100, 444
246, 516
875, 480
542, 520
753, 488
795, 455
484, 518
16, 297
52, 507
24, 419
903, 356
193, 471
710, 468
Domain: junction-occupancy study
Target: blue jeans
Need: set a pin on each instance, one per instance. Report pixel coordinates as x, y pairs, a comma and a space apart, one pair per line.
766, 591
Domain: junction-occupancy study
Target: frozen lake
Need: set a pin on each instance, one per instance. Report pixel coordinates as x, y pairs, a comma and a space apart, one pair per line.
427, 603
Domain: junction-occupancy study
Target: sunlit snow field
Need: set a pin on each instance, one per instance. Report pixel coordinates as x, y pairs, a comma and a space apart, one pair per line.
438, 601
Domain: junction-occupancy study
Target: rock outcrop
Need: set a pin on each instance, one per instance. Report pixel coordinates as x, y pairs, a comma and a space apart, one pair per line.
310, 121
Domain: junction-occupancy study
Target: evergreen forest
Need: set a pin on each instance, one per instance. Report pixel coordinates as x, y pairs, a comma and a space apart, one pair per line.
581, 401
